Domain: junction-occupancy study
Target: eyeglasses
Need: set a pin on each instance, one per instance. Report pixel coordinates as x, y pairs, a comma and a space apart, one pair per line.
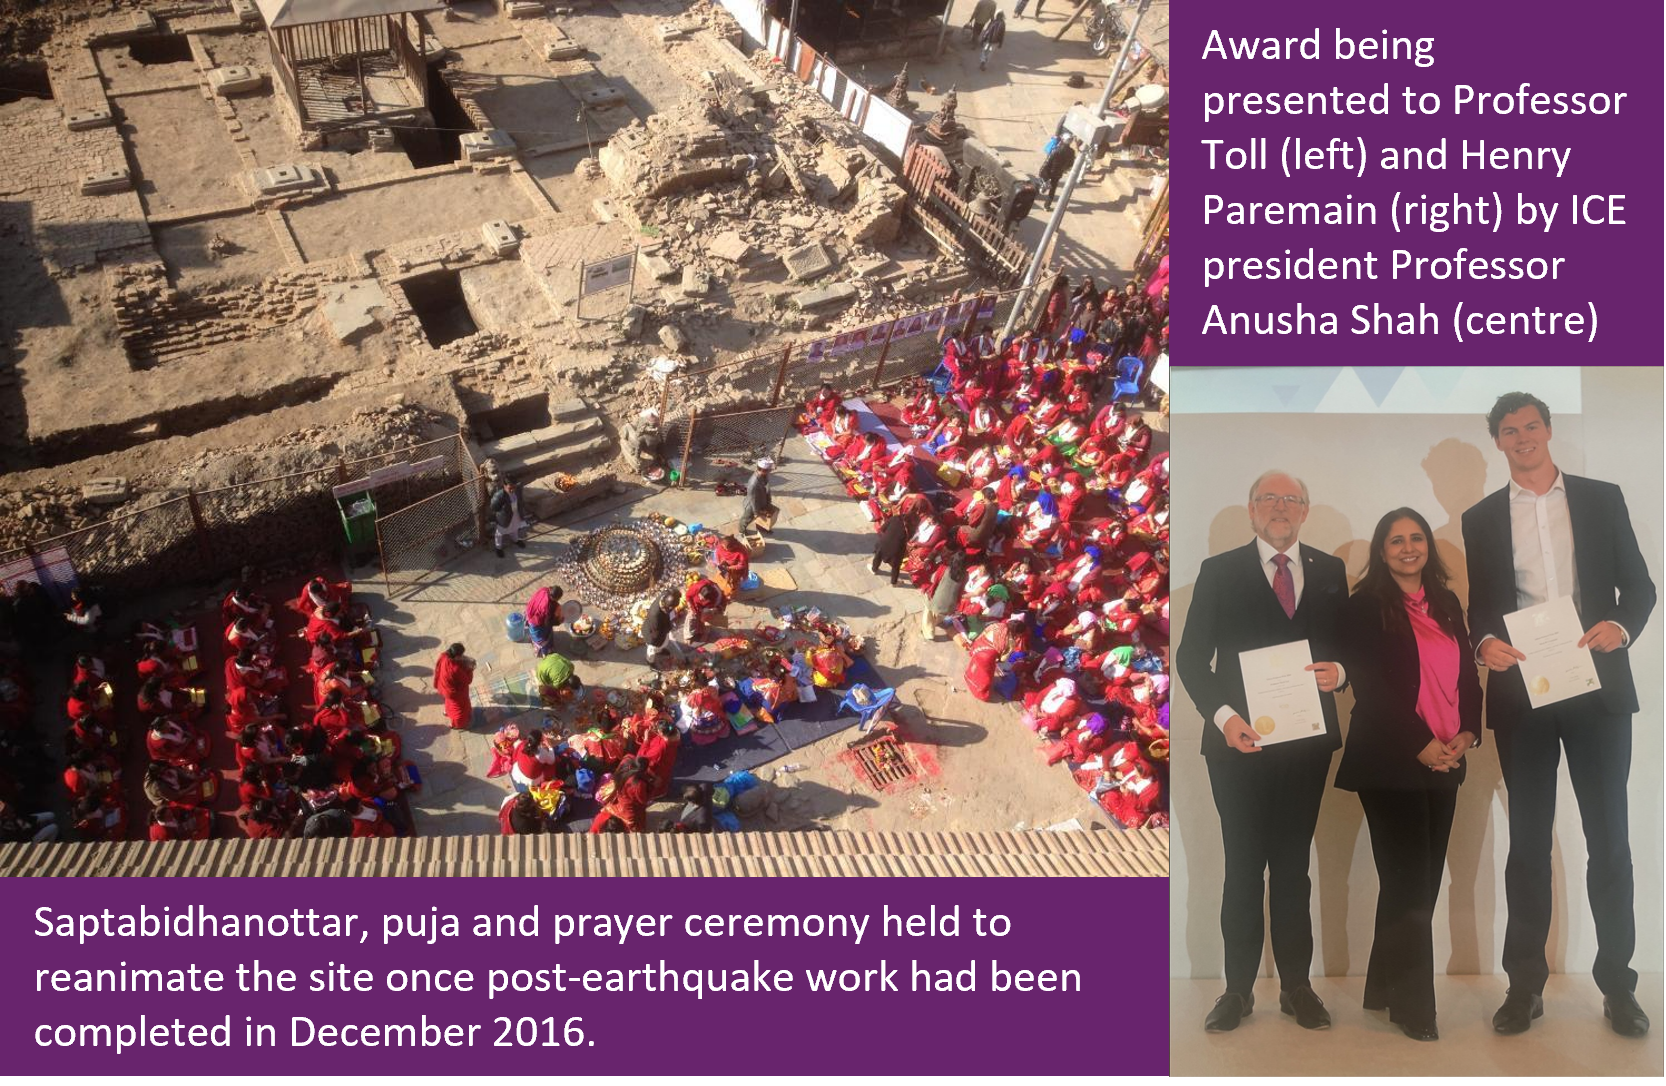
1280, 499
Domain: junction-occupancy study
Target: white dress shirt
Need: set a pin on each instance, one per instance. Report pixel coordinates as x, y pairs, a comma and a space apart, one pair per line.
1299, 577
1541, 545
1541, 537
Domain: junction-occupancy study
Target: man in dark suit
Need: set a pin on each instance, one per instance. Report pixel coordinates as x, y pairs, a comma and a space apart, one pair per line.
1547, 535
1270, 592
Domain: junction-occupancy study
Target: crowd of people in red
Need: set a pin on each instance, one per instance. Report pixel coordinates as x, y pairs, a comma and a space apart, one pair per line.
309, 749
339, 773
1019, 493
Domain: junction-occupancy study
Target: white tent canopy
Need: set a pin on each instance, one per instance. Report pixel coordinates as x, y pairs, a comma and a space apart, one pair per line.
302, 12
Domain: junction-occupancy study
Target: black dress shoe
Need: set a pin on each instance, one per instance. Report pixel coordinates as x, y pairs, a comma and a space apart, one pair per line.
1420, 1031
1306, 1007
1518, 1011
1230, 1009
1624, 1015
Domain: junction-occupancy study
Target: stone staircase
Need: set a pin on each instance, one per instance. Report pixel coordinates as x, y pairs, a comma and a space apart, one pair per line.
575, 439
1128, 182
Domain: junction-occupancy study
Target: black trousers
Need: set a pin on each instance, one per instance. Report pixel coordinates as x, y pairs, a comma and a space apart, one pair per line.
1269, 806
1598, 745
894, 558
1409, 832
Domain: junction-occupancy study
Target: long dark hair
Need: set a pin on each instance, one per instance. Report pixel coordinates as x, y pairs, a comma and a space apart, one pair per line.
1379, 582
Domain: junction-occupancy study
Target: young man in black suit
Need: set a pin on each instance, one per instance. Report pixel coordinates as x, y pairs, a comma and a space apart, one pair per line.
1270, 592
1546, 535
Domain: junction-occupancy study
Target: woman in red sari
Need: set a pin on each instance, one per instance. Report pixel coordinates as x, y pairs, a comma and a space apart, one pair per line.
453, 675
659, 754
818, 411
733, 562
1053, 312
318, 592
990, 648
84, 700
628, 795
176, 743
176, 822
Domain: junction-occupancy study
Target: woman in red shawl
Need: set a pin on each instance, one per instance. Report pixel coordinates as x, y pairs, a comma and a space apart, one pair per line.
1057, 305
318, 592
334, 715
705, 606
176, 743
841, 432
922, 409
85, 700
453, 674
627, 799
246, 671
985, 425
733, 562
990, 648
659, 754
244, 602
176, 822
819, 410
925, 542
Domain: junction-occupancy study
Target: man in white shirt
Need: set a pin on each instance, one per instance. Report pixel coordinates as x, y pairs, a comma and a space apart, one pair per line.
1544, 536
1271, 591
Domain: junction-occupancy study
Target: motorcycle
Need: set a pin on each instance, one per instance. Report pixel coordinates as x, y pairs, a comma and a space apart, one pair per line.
1104, 29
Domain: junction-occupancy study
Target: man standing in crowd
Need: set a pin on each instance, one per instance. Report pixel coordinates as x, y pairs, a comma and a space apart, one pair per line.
759, 506
1059, 159
1271, 592
507, 522
1543, 536
991, 38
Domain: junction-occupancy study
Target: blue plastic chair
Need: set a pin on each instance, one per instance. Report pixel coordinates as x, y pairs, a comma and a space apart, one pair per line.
1129, 370
876, 707
941, 379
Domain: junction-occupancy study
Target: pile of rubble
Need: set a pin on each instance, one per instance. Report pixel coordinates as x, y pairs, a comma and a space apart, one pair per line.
50, 508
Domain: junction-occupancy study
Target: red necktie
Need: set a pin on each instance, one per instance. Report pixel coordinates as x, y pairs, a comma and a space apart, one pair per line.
1284, 585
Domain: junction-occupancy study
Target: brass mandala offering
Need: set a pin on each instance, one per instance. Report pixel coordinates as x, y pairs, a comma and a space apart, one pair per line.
612, 568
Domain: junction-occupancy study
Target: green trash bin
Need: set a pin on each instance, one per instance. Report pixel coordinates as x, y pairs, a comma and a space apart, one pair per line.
358, 519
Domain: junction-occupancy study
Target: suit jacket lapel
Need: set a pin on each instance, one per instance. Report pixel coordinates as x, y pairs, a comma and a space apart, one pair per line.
1264, 587
1305, 557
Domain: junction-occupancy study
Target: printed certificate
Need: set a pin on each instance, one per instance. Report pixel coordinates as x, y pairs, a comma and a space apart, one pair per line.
1283, 697
1556, 667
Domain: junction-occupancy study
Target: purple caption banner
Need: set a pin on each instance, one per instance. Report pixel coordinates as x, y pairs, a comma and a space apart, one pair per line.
1055, 924
1476, 44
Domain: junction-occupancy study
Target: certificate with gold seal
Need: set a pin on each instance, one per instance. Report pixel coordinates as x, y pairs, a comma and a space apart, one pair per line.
1283, 696
1556, 668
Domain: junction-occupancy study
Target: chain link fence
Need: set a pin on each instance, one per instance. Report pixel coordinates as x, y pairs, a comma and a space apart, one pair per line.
879, 355
270, 522
197, 537
101, 555
423, 537
699, 443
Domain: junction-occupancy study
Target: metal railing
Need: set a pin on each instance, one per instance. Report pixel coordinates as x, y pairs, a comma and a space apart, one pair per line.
420, 539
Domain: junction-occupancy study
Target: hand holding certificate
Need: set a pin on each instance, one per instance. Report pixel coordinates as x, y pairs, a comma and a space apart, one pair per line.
1555, 668
1282, 694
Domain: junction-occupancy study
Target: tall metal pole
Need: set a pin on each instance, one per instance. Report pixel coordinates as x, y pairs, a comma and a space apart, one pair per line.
1070, 183
943, 31
792, 35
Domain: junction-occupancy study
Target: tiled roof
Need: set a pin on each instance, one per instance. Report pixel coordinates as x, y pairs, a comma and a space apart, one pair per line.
1142, 852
